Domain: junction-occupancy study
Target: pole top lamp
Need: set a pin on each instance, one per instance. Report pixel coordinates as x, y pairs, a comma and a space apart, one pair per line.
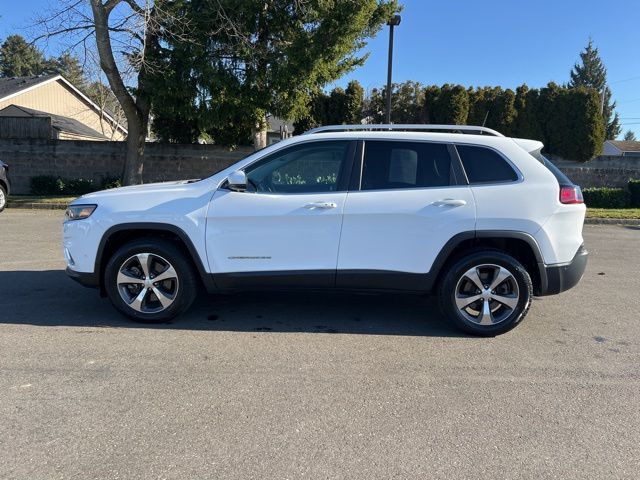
394, 21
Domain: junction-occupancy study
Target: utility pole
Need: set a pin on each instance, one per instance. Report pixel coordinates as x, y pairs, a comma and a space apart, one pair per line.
393, 22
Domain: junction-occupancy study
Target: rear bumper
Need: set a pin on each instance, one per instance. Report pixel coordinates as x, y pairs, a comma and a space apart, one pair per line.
563, 277
84, 279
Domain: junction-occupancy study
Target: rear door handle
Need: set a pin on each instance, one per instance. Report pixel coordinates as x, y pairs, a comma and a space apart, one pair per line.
321, 205
450, 202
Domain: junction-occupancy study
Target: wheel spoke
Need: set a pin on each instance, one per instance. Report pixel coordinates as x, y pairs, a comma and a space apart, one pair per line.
486, 317
137, 302
463, 302
501, 275
145, 261
163, 298
169, 273
126, 278
510, 301
472, 274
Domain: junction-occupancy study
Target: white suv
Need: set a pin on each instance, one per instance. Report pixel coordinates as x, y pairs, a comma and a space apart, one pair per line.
482, 219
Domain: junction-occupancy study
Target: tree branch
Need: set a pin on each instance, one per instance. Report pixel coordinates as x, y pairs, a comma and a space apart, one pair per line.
110, 5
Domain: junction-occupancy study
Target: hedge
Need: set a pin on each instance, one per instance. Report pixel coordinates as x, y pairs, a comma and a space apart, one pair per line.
51, 185
605, 197
634, 190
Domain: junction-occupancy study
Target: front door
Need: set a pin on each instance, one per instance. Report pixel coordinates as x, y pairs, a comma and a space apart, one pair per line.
284, 230
412, 199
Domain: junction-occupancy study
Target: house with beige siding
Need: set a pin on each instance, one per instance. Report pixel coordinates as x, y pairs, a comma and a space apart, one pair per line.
30, 106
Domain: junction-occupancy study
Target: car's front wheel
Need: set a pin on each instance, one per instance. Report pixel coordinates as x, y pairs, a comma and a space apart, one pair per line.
486, 293
150, 280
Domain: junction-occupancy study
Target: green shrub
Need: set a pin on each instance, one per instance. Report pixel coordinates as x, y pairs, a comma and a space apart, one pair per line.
78, 186
52, 185
46, 185
110, 182
634, 190
605, 197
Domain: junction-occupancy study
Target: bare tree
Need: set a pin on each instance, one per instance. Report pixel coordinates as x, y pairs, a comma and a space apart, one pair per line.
125, 33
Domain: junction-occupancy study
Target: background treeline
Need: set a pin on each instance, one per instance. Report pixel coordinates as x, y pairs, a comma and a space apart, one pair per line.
567, 120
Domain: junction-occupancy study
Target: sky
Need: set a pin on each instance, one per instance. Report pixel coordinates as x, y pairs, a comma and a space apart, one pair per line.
478, 43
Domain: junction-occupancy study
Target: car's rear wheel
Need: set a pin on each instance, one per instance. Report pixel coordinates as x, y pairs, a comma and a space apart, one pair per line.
486, 293
3, 198
150, 280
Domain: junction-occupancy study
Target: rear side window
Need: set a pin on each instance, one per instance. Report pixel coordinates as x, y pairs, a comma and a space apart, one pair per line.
484, 165
392, 165
560, 176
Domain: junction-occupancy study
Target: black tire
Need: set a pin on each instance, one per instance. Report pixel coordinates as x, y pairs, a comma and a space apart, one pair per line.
517, 289
185, 285
4, 198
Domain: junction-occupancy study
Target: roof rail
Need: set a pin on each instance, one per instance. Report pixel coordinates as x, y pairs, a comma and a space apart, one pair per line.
469, 129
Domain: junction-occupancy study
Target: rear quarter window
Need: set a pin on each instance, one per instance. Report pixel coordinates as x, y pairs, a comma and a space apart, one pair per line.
560, 176
484, 165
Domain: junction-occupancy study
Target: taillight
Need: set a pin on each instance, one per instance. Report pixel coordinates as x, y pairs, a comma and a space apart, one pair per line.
570, 194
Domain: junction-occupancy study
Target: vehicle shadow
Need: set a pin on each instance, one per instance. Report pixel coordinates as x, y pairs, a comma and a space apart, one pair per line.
50, 298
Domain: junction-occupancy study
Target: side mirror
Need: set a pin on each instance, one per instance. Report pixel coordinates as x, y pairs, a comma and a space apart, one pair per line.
237, 181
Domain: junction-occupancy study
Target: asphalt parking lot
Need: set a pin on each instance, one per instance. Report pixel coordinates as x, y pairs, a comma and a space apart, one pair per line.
313, 385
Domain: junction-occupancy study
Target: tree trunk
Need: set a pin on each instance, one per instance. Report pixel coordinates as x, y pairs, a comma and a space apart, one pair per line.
136, 110
259, 134
133, 160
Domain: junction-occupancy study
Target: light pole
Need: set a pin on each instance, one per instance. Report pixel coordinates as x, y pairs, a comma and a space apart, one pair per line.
393, 22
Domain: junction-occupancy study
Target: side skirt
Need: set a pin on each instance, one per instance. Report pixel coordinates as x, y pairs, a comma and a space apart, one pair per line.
349, 280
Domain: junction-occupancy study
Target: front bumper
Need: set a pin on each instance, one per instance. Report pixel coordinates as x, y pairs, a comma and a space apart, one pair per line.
563, 277
83, 278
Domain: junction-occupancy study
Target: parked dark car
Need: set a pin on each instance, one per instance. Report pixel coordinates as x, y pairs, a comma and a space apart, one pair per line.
5, 186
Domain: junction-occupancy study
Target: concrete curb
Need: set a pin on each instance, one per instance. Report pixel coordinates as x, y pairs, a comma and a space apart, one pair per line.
38, 206
632, 222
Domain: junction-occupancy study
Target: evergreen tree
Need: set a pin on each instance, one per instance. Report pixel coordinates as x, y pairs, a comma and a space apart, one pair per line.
354, 96
257, 58
68, 66
19, 58
629, 136
336, 108
447, 105
591, 73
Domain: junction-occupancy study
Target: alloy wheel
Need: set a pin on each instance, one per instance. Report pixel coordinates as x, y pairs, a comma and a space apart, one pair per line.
487, 294
147, 283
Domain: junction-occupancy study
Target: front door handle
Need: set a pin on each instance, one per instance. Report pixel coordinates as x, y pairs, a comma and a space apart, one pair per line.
450, 202
321, 205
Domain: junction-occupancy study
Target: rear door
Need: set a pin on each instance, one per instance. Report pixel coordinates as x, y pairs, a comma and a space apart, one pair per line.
410, 199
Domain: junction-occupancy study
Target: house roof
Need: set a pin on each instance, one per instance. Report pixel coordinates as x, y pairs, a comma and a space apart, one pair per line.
63, 124
13, 86
625, 146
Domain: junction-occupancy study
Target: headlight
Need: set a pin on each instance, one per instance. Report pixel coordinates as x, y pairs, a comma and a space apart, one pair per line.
78, 212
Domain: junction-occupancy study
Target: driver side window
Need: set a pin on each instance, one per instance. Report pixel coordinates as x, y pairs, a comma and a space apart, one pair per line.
308, 168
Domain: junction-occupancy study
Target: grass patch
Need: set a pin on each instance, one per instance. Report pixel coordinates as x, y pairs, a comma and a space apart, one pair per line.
45, 199
619, 213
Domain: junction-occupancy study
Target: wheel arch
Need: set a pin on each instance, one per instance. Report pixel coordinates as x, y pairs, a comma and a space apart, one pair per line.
118, 235
521, 245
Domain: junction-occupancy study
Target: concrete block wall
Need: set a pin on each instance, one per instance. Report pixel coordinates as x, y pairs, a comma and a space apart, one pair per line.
165, 162
601, 177
96, 160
